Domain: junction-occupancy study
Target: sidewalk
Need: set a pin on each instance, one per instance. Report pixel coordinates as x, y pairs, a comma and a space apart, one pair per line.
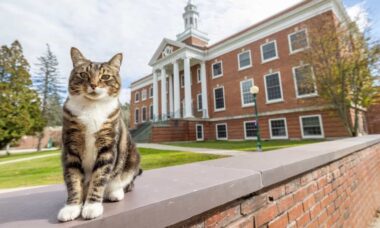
30, 158
193, 149
17, 151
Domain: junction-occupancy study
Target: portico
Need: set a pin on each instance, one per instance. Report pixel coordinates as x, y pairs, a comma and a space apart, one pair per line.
167, 72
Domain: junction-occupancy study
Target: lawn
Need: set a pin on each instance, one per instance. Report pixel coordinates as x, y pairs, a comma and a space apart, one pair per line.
244, 145
4, 158
43, 171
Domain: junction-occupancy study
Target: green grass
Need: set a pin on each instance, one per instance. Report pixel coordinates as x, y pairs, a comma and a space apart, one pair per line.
43, 171
244, 145
25, 155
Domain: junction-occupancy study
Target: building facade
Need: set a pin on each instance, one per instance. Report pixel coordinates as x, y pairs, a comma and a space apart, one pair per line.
202, 92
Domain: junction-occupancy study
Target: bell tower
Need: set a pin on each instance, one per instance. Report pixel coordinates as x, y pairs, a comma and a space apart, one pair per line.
191, 35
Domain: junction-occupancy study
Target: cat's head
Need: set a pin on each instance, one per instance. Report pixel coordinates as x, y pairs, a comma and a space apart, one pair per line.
94, 81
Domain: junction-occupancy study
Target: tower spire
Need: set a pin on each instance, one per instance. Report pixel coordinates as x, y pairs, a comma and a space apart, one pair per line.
190, 16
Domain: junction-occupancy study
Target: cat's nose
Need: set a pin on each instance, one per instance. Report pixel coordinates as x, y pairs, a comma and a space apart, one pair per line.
93, 86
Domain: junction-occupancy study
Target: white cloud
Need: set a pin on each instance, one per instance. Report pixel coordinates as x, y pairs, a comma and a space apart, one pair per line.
359, 13
125, 95
101, 29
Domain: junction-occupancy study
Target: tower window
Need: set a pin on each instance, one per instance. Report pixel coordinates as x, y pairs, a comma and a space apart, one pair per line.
191, 20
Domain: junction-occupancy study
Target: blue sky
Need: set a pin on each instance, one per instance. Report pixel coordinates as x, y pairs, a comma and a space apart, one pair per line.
102, 28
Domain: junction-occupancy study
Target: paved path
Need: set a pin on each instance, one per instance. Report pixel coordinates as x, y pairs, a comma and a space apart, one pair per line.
17, 151
192, 149
29, 158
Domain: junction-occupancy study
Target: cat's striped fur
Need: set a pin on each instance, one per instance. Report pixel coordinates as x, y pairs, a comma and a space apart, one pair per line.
100, 160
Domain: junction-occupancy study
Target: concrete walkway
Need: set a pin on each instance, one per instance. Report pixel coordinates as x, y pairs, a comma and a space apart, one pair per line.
193, 149
18, 151
30, 158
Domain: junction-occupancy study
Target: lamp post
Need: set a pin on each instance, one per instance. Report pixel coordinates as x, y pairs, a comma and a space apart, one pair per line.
254, 91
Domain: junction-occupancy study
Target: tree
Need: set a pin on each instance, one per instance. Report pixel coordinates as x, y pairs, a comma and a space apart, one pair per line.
19, 103
343, 61
125, 112
49, 86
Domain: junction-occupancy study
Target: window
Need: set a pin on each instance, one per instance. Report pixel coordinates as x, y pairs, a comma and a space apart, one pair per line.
151, 112
217, 69
250, 130
150, 92
137, 97
221, 131
298, 41
199, 102
198, 75
199, 132
273, 87
278, 128
143, 114
269, 51
246, 96
219, 104
137, 113
311, 126
143, 95
244, 60
182, 80
304, 81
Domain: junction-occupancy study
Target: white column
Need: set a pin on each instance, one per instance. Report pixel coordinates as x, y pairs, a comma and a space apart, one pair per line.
177, 102
155, 96
164, 108
188, 105
171, 96
204, 90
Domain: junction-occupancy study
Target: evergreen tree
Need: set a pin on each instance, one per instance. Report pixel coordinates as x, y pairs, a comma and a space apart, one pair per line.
48, 82
125, 112
19, 103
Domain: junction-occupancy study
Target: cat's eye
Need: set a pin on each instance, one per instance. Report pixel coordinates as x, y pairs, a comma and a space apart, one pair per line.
105, 77
83, 75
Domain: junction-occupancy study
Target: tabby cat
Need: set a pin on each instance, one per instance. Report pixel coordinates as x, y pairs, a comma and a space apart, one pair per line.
99, 159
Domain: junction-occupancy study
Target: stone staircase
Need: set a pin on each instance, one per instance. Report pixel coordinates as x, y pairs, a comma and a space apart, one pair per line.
143, 133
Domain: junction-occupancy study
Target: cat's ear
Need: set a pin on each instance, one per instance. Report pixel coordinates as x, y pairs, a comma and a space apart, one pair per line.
77, 57
116, 61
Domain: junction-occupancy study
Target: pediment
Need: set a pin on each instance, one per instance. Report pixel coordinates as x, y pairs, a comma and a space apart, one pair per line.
166, 48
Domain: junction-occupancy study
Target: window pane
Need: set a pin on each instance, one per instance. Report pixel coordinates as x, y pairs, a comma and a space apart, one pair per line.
219, 98
222, 131
151, 112
311, 126
269, 51
273, 86
144, 114
298, 40
244, 59
200, 102
250, 129
199, 132
217, 69
278, 128
151, 92
137, 113
304, 80
247, 96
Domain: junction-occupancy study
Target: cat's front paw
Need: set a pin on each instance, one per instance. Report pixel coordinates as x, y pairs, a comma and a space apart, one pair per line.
69, 212
92, 210
116, 195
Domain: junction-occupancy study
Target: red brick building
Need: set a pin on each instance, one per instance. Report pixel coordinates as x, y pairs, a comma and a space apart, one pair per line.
202, 92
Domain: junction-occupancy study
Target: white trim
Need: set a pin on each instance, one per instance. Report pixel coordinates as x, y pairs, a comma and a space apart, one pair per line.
137, 100
212, 69
266, 90
198, 75
224, 100
291, 51
142, 114
312, 136
138, 116
245, 130
241, 93
250, 60
270, 128
262, 52
216, 131
142, 93
295, 82
199, 110
196, 132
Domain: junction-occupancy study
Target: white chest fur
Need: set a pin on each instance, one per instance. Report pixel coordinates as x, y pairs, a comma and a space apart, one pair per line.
91, 114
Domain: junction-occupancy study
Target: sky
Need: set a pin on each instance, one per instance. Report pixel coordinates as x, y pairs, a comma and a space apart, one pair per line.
102, 28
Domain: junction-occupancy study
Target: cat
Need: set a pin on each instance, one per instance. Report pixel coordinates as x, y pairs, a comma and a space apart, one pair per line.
99, 159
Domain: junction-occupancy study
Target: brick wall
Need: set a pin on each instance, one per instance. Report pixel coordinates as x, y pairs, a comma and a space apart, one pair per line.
344, 193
